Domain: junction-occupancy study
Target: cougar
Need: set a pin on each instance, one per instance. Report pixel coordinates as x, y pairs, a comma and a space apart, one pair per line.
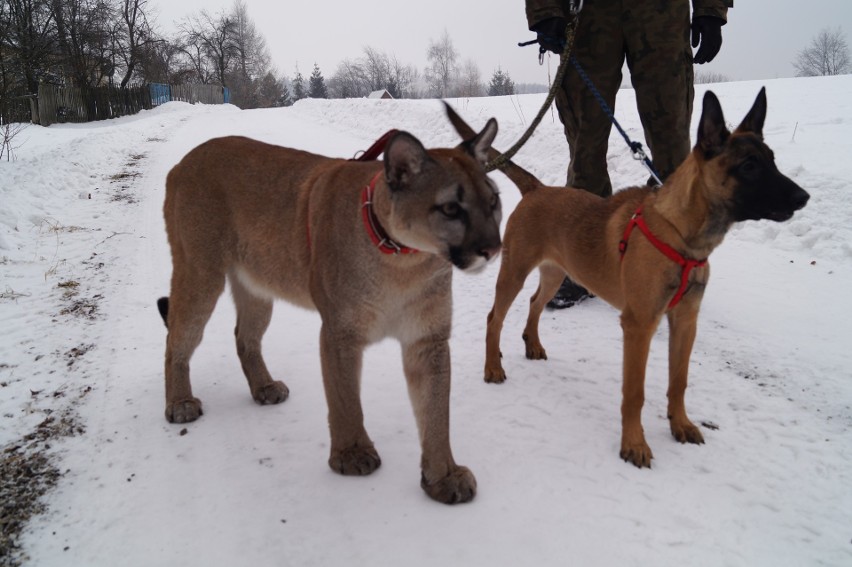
370, 245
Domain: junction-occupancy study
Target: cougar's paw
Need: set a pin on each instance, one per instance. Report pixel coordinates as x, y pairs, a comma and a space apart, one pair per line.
183, 411
457, 487
495, 375
637, 453
273, 393
355, 461
687, 432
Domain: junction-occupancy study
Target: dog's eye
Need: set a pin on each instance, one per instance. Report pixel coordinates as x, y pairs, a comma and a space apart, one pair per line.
749, 167
450, 210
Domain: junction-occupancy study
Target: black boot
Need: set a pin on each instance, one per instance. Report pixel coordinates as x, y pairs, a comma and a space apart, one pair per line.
569, 294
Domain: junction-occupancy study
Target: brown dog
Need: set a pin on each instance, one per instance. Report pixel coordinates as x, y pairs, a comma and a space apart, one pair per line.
369, 245
658, 269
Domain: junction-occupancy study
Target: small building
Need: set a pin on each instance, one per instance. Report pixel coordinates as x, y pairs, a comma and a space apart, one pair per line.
380, 94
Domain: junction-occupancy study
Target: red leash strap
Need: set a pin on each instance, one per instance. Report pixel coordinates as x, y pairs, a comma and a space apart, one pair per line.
377, 148
377, 234
686, 264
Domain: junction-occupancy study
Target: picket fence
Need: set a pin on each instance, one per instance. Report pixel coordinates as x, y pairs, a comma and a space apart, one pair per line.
74, 104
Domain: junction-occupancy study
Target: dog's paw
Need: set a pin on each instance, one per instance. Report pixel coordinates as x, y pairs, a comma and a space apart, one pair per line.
457, 487
638, 453
536, 352
495, 375
534, 349
355, 461
687, 432
273, 393
183, 411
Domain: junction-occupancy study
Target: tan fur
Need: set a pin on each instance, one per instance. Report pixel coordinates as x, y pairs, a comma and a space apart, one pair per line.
569, 231
242, 210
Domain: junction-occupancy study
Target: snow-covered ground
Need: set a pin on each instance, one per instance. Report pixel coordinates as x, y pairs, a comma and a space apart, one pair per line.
83, 257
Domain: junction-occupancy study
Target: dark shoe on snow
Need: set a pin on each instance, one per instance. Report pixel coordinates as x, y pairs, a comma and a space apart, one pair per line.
569, 294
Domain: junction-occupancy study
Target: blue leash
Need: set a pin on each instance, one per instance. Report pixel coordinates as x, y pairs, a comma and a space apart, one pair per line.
635, 147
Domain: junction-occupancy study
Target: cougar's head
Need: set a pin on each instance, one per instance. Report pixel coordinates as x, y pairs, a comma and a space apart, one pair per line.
442, 200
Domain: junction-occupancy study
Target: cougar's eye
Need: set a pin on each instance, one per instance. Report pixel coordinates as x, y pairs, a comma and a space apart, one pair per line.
450, 210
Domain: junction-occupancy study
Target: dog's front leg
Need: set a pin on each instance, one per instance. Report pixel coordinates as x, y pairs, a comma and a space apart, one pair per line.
427, 370
637, 342
683, 321
352, 451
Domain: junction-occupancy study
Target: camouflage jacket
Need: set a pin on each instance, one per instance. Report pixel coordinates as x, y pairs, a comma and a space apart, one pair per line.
538, 10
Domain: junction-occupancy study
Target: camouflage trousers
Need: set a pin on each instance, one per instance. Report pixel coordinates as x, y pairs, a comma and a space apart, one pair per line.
653, 37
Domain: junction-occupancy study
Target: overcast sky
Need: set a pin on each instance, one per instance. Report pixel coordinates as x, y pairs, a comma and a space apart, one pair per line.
760, 41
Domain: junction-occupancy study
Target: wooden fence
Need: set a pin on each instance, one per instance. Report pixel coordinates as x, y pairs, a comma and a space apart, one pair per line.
15, 109
73, 104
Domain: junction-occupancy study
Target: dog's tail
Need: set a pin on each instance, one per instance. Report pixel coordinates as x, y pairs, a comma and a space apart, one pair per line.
163, 308
525, 180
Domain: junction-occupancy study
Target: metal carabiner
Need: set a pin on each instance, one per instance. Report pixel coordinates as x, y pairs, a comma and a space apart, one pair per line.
574, 7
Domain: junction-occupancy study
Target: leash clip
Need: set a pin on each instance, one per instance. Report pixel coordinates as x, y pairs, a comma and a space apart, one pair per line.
575, 7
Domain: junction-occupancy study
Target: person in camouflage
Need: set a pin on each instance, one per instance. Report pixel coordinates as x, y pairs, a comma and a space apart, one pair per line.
653, 36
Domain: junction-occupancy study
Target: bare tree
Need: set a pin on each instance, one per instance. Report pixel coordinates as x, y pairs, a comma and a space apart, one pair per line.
348, 81
85, 36
470, 80
132, 35
27, 45
209, 42
706, 77
251, 61
164, 61
375, 70
443, 67
828, 54
402, 80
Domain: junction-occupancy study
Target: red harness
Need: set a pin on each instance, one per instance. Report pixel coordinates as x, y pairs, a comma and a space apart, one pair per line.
686, 264
374, 229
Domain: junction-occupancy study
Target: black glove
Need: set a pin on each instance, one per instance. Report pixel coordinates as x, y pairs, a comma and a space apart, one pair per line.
706, 30
550, 34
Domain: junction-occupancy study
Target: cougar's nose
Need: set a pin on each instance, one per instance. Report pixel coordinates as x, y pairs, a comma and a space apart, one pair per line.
490, 252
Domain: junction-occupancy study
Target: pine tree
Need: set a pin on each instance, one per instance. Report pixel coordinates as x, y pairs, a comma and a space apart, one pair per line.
317, 87
286, 99
501, 84
298, 86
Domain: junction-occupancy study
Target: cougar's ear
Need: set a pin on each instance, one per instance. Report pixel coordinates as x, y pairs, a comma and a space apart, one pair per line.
405, 157
482, 142
753, 122
712, 132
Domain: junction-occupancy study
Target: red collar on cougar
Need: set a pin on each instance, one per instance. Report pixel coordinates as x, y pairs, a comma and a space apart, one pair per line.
374, 229
686, 264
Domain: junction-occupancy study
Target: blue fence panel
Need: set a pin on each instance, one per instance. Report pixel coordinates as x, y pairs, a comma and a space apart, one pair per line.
226, 93
160, 93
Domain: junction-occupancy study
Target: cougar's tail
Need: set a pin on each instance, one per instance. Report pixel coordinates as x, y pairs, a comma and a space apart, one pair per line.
525, 180
163, 308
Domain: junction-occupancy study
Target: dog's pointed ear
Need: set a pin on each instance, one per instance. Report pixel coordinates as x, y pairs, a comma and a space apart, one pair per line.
405, 157
753, 122
712, 132
480, 144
